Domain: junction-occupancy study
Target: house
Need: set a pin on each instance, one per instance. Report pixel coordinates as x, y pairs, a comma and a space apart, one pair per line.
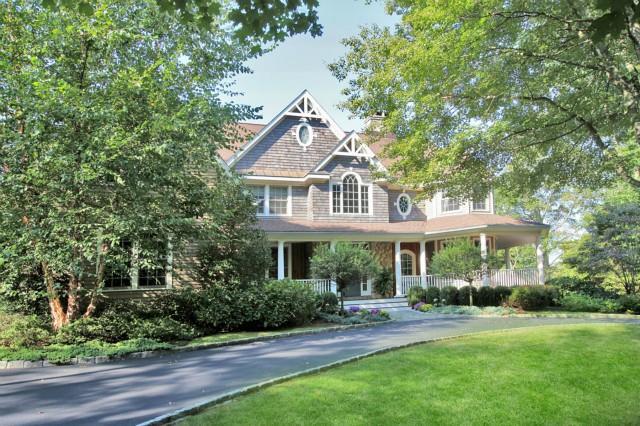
314, 183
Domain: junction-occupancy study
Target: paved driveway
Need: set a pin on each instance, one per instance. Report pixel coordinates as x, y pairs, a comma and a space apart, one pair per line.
132, 391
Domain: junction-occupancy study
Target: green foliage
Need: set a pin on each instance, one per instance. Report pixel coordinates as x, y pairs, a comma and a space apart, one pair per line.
532, 298
460, 259
630, 303
327, 303
541, 98
161, 329
449, 295
229, 307
286, 302
343, 264
486, 296
426, 307
578, 302
18, 331
575, 284
416, 295
363, 316
468, 295
383, 282
22, 291
432, 295
502, 294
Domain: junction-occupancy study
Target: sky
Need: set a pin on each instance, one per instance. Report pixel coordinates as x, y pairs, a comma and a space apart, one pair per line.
300, 62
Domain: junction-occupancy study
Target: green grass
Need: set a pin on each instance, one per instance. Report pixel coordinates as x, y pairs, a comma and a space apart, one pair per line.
573, 374
507, 311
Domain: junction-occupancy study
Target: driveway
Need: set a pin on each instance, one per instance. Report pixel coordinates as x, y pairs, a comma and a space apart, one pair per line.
132, 391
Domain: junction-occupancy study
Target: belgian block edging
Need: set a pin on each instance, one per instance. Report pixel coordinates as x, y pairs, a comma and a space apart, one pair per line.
102, 359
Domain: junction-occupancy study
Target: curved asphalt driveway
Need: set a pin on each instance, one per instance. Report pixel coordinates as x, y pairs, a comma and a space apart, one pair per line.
132, 391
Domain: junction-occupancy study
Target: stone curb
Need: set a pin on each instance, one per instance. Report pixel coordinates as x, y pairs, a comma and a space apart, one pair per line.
172, 417
632, 317
102, 359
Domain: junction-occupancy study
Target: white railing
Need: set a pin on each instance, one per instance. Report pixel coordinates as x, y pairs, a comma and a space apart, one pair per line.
496, 277
319, 286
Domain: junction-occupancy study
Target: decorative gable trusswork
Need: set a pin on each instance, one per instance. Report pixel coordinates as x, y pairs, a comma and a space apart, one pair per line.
352, 146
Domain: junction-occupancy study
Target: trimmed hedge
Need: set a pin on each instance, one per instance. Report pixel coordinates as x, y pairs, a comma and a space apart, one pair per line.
431, 294
463, 295
449, 295
502, 294
487, 297
532, 298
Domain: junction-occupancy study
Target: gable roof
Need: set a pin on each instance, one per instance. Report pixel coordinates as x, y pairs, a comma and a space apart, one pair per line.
351, 146
303, 106
245, 131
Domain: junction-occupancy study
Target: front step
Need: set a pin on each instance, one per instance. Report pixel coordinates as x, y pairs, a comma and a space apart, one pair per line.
396, 302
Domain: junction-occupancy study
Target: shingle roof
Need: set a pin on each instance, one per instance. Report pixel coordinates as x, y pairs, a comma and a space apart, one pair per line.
246, 131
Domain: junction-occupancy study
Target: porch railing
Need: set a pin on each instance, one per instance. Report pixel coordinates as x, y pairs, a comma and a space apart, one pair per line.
496, 277
320, 285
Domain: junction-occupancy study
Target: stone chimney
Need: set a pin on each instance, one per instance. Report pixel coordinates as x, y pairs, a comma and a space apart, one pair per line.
374, 122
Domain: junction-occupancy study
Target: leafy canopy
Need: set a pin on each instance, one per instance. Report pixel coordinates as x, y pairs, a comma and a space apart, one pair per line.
460, 259
519, 94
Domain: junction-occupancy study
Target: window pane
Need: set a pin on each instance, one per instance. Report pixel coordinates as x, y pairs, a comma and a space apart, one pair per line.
350, 194
480, 205
450, 204
118, 266
336, 198
278, 200
406, 264
153, 260
258, 193
364, 190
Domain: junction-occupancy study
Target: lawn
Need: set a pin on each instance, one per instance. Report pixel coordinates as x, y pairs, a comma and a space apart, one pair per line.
574, 374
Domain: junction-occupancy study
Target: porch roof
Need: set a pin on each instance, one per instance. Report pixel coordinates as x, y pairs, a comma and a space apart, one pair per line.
416, 228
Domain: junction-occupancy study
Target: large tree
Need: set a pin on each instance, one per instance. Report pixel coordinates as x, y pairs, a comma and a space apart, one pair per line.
520, 94
109, 126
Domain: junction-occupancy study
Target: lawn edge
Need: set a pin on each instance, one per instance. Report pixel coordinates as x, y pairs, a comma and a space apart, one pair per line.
171, 418
574, 315
103, 359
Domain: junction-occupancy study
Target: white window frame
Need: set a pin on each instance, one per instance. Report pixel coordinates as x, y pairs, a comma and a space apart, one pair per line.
486, 205
134, 273
408, 212
413, 261
441, 199
361, 184
267, 196
310, 129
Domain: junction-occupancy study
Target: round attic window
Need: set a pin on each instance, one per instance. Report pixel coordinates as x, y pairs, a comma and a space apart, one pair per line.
404, 205
304, 134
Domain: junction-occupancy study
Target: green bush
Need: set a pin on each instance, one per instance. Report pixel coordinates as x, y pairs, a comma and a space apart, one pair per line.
425, 307
286, 302
577, 302
109, 327
431, 294
416, 295
223, 307
463, 295
328, 303
449, 295
502, 294
161, 329
19, 331
571, 284
531, 298
487, 296
630, 303
383, 282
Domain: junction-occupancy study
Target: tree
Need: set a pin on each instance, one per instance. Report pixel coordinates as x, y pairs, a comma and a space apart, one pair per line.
612, 245
110, 123
461, 259
343, 264
519, 94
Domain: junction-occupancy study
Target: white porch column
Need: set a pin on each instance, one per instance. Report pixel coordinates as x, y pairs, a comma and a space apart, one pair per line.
423, 264
398, 267
507, 258
280, 260
483, 254
332, 245
540, 259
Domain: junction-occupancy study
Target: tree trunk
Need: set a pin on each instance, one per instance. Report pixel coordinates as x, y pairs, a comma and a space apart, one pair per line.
471, 293
73, 300
58, 314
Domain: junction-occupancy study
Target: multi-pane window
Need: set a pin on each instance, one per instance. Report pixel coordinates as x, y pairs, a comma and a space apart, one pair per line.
449, 204
278, 200
118, 266
258, 194
407, 266
350, 196
480, 204
153, 261
138, 265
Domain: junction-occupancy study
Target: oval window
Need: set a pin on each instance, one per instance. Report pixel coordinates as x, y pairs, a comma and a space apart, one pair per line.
404, 205
304, 134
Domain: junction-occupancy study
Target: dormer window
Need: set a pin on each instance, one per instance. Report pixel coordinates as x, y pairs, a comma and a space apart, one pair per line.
350, 196
304, 134
403, 204
449, 204
480, 205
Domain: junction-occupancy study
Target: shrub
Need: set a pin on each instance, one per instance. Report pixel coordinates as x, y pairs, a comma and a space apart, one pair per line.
383, 282
374, 315
328, 303
21, 331
570, 284
109, 327
286, 302
487, 296
449, 295
425, 307
228, 307
161, 329
530, 298
502, 294
415, 295
630, 303
463, 295
577, 302
432, 295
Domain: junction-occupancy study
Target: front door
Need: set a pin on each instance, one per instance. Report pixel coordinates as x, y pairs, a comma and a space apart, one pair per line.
358, 288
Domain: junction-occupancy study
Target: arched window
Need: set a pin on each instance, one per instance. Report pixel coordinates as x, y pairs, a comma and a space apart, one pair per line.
350, 196
407, 262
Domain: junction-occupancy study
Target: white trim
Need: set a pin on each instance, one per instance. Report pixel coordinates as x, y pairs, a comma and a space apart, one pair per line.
408, 212
307, 178
306, 96
267, 201
413, 261
349, 143
310, 129
360, 185
267, 195
289, 201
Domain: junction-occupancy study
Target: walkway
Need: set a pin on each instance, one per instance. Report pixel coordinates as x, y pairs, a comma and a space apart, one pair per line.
132, 391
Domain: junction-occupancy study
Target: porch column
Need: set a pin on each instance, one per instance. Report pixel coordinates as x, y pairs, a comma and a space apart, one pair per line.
334, 285
483, 254
398, 269
423, 264
507, 258
332, 245
540, 259
280, 260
